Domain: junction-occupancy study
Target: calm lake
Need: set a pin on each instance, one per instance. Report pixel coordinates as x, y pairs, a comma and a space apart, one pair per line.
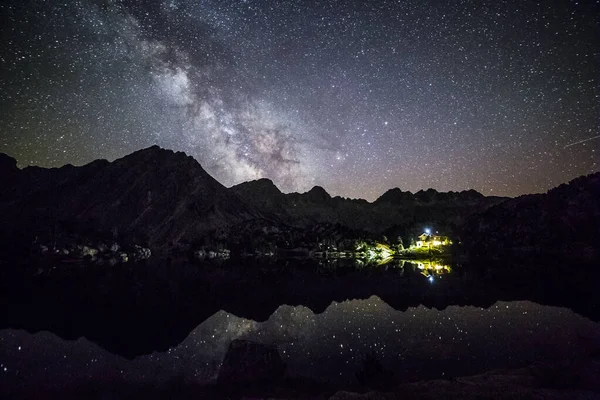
154, 324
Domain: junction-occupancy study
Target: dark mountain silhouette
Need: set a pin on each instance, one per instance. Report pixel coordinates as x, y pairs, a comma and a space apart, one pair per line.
264, 196
8, 166
395, 196
318, 195
153, 194
398, 197
393, 208
159, 197
564, 221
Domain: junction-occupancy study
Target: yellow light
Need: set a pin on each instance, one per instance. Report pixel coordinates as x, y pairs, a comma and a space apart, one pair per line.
386, 251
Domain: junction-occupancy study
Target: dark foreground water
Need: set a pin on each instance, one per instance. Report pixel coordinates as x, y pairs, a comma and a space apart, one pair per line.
154, 326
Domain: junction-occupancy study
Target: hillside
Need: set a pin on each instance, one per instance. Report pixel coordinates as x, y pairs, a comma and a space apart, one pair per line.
564, 221
164, 199
154, 195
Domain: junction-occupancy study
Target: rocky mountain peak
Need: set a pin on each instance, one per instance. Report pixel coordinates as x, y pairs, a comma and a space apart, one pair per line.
156, 154
470, 194
267, 185
394, 196
426, 196
153, 193
259, 187
318, 194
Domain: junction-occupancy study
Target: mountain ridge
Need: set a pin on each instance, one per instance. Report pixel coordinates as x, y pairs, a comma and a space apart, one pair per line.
162, 198
9, 164
154, 194
562, 221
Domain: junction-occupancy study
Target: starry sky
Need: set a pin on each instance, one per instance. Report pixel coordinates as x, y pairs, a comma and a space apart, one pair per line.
355, 96
419, 343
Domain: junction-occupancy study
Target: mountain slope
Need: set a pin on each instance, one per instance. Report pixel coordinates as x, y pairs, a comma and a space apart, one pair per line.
264, 196
154, 194
565, 221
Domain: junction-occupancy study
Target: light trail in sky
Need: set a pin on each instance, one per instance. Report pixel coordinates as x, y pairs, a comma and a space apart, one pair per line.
581, 141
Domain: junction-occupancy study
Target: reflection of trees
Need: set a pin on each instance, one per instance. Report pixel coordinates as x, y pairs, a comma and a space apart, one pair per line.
385, 261
401, 267
429, 268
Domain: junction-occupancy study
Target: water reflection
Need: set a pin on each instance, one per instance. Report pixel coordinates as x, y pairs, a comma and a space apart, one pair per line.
419, 343
431, 269
428, 267
162, 303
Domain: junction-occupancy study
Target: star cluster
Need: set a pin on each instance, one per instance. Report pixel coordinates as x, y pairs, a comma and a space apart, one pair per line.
357, 97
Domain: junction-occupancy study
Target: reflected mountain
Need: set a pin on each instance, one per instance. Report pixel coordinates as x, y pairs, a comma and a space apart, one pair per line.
356, 344
150, 307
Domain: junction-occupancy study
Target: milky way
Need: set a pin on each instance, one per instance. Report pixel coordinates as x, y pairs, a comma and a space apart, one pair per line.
357, 97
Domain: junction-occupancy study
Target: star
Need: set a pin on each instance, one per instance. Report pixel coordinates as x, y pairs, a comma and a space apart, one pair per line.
485, 92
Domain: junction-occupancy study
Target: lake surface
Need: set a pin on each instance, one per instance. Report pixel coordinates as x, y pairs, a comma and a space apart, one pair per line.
324, 326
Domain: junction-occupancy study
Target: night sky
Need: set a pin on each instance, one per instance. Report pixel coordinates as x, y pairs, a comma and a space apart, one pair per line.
355, 96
